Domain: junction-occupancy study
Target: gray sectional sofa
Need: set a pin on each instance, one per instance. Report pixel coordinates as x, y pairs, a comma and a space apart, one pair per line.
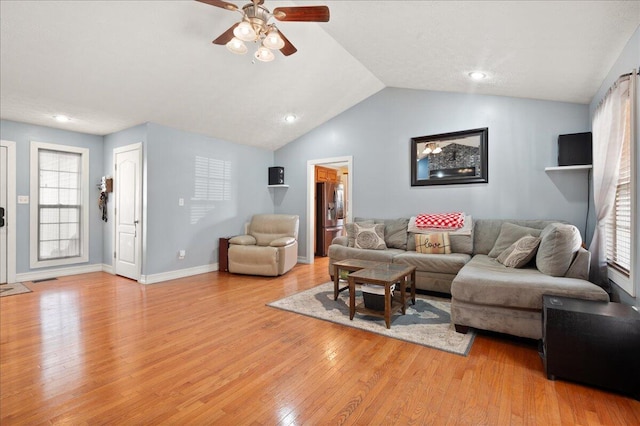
485, 294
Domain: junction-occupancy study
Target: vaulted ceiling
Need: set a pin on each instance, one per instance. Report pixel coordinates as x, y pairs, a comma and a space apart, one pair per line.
110, 65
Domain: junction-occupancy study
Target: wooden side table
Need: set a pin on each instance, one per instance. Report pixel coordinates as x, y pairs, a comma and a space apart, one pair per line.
223, 254
384, 277
596, 343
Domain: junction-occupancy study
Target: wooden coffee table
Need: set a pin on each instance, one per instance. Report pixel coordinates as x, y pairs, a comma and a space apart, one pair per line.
351, 265
386, 276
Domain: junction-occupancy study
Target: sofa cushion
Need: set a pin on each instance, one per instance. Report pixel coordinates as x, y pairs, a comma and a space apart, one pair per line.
519, 253
369, 236
509, 234
433, 243
338, 252
484, 281
558, 245
395, 231
486, 231
439, 263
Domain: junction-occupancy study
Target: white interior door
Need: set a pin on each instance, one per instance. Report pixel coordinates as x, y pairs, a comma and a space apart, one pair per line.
3, 214
127, 187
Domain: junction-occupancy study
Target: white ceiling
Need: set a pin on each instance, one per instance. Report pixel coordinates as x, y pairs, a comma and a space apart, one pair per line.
110, 65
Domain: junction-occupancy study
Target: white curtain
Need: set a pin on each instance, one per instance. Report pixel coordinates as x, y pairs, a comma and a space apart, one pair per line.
608, 133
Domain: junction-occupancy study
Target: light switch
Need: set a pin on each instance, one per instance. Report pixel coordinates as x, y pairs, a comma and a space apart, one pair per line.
181, 201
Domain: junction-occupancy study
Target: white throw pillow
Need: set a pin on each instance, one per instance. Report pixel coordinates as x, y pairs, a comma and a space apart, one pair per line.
520, 253
369, 236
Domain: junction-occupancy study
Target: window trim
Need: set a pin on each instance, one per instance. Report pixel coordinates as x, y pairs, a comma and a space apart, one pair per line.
33, 210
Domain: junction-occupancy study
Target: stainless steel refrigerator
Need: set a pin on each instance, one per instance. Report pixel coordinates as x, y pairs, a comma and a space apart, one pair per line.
329, 214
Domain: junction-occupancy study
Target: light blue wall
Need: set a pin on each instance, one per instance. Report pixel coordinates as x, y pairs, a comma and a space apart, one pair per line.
169, 161
628, 60
377, 132
23, 134
170, 157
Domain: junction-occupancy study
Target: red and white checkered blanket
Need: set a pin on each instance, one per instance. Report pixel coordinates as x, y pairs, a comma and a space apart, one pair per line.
440, 220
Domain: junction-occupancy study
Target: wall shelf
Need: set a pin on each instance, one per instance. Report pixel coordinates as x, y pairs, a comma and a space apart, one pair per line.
568, 168
277, 186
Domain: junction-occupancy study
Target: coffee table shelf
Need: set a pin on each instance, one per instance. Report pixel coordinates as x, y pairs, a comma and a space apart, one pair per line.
396, 306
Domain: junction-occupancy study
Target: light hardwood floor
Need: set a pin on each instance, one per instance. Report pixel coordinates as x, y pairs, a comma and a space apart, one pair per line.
101, 349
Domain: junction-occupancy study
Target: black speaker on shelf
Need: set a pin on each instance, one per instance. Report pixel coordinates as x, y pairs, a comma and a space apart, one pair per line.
276, 175
575, 149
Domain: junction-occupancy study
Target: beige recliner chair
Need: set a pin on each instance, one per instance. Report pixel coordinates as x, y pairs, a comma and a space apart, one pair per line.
270, 247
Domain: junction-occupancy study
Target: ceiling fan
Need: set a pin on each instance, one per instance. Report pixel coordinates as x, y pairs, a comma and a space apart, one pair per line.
254, 26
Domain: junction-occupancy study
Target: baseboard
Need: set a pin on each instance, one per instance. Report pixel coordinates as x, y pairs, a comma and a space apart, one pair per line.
60, 272
107, 268
303, 260
181, 273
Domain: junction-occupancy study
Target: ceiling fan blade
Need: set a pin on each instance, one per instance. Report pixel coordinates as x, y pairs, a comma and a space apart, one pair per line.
226, 36
288, 49
302, 13
220, 3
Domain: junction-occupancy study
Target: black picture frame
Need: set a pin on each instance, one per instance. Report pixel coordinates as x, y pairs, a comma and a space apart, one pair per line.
463, 157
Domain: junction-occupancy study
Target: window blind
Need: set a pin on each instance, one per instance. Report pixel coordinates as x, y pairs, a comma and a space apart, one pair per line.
59, 204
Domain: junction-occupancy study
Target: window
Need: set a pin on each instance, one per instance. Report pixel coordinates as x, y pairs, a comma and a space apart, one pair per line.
620, 220
59, 205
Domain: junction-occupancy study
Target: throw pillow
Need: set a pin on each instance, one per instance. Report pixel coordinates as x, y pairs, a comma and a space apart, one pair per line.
395, 233
433, 243
509, 234
558, 245
369, 236
519, 253
351, 231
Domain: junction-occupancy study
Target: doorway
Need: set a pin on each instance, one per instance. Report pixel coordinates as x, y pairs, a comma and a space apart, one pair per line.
127, 187
345, 162
8, 206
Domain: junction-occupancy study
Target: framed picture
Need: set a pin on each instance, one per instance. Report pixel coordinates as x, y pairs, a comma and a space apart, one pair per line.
450, 158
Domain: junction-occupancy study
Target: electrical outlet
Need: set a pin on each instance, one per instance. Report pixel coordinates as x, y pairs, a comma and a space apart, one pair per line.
181, 201
182, 254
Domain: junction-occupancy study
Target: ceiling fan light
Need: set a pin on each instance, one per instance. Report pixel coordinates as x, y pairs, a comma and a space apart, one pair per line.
263, 54
273, 40
236, 46
245, 32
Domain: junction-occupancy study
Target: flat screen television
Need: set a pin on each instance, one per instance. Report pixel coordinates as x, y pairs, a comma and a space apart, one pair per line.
575, 149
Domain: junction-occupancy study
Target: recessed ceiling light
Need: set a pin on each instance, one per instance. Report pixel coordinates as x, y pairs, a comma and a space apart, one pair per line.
477, 75
61, 118
290, 118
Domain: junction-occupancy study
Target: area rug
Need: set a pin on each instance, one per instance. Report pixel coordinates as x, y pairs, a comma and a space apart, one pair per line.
426, 323
11, 289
